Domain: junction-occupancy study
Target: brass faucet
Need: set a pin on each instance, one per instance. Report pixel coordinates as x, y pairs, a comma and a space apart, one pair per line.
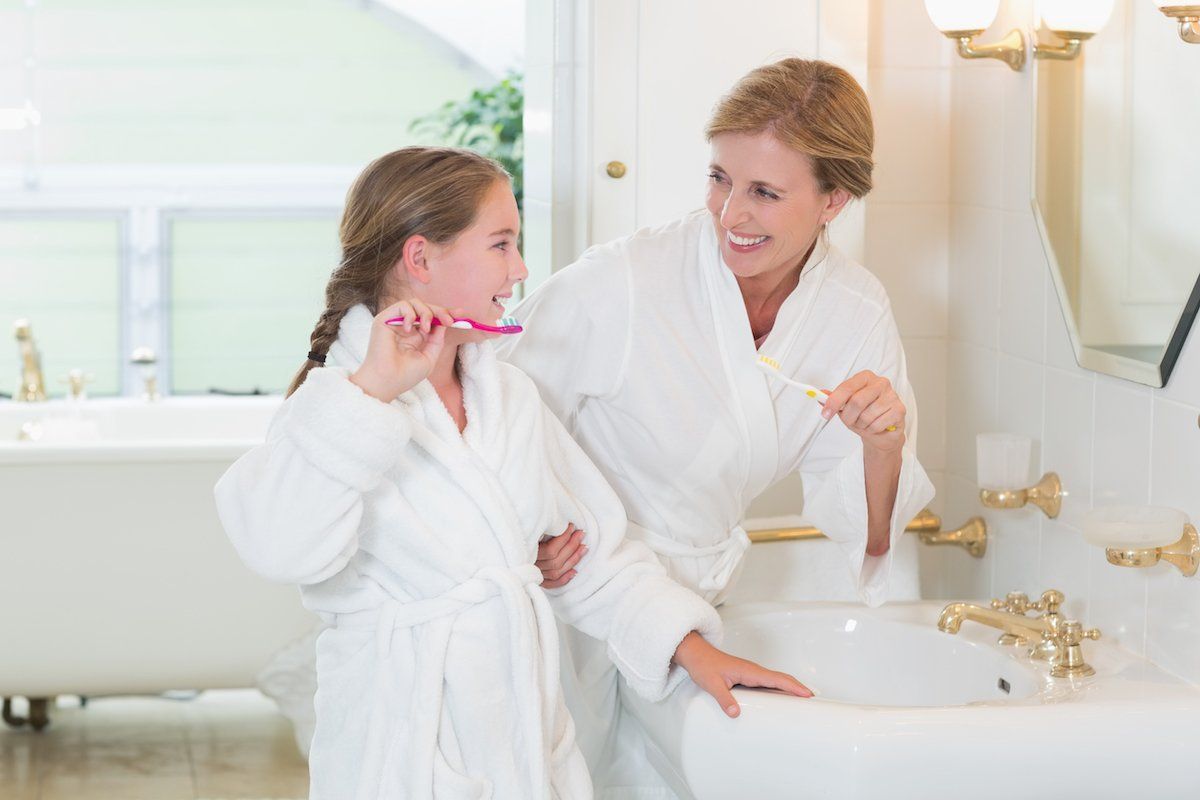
1059, 639
33, 385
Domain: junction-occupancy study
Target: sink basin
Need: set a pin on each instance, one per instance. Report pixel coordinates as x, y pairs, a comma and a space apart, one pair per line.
903, 710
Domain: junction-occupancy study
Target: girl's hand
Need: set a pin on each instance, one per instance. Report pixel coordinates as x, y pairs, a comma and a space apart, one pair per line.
716, 672
868, 406
557, 557
401, 356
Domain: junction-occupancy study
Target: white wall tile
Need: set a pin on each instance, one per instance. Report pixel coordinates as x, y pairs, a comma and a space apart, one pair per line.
926, 360
1067, 439
1173, 621
1175, 461
1022, 313
1121, 444
1014, 544
901, 35
977, 145
1063, 565
970, 405
911, 108
974, 279
1118, 602
964, 577
906, 250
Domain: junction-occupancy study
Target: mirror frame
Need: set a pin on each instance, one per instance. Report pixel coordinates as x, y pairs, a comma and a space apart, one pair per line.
1144, 372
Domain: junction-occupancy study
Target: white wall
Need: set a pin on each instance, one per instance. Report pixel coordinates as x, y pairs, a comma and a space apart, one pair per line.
1010, 367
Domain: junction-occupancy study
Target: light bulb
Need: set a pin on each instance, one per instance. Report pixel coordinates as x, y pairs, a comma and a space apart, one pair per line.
962, 15
1076, 16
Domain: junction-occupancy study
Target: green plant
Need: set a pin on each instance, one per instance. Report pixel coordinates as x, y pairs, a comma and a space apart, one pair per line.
490, 121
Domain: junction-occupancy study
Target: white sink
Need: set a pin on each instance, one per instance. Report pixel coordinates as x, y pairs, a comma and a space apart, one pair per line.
903, 710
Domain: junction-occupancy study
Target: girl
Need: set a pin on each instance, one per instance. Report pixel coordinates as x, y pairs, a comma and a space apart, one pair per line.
406, 485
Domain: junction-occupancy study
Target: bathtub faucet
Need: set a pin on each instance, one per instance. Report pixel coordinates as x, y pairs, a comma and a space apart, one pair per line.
33, 385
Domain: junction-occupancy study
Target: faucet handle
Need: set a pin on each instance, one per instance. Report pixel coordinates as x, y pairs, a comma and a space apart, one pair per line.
1051, 601
1072, 633
1013, 603
78, 380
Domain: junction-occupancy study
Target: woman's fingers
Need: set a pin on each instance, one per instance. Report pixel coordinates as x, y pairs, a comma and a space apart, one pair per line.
838, 398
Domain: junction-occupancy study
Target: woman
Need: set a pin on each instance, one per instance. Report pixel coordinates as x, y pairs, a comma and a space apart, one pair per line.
647, 348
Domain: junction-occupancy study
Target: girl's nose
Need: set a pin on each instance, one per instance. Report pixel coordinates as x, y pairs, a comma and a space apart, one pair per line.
522, 272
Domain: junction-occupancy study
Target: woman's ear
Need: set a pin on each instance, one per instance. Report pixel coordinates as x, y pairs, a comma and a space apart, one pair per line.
837, 201
413, 264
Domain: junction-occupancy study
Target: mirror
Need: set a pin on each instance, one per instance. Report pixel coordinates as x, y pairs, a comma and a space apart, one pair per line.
1117, 191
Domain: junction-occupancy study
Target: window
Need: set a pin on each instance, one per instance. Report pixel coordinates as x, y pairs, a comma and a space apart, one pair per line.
172, 174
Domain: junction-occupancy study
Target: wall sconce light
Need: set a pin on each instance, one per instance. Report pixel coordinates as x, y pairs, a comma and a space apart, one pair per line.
963, 20
1003, 466
1074, 21
1188, 16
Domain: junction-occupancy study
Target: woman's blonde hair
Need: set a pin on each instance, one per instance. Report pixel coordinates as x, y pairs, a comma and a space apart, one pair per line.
434, 192
815, 108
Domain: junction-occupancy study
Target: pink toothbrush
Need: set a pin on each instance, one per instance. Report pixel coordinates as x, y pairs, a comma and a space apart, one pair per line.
507, 324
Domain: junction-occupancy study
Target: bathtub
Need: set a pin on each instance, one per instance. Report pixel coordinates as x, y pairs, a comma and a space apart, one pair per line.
117, 576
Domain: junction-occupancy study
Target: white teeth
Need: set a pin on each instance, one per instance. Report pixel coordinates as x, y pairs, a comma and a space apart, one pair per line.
738, 240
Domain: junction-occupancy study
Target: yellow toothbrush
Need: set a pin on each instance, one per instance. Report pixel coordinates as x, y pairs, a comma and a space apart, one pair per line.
772, 367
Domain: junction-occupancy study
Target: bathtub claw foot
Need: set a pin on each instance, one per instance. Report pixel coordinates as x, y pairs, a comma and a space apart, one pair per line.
39, 714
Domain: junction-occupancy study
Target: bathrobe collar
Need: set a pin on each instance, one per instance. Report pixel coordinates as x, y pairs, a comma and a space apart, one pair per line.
752, 392
477, 454
479, 370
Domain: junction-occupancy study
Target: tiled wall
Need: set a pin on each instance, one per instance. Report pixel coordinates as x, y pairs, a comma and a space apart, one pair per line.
1007, 360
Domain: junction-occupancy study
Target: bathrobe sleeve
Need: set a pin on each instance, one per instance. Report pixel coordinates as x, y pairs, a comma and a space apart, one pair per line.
834, 480
577, 338
621, 594
292, 506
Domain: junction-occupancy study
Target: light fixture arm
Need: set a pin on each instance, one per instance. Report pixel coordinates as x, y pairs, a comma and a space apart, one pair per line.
1010, 49
1062, 52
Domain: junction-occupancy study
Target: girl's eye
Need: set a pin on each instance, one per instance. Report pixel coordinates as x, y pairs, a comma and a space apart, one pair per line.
766, 193
501, 245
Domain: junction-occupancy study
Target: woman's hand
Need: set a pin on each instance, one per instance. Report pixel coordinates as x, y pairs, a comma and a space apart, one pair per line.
557, 557
869, 406
716, 672
401, 356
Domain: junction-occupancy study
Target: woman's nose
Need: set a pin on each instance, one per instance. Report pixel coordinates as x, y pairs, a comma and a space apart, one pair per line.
732, 213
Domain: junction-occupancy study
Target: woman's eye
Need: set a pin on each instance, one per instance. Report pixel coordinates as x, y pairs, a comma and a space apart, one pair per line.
716, 176
767, 194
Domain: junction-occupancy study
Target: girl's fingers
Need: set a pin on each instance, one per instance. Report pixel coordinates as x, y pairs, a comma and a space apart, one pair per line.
563, 581
563, 559
549, 549
720, 692
770, 679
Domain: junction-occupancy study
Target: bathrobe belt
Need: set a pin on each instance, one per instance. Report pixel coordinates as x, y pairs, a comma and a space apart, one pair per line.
532, 628
729, 553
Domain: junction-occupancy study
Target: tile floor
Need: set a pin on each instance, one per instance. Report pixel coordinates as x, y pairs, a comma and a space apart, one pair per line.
219, 745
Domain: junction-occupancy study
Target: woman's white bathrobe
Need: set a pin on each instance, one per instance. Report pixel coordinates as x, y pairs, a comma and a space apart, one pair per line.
644, 350
439, 675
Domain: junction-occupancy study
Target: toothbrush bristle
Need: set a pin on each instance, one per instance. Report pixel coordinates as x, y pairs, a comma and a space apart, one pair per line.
770, 362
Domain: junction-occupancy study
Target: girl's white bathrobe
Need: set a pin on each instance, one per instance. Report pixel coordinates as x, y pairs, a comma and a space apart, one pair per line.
644, 349
439, 675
